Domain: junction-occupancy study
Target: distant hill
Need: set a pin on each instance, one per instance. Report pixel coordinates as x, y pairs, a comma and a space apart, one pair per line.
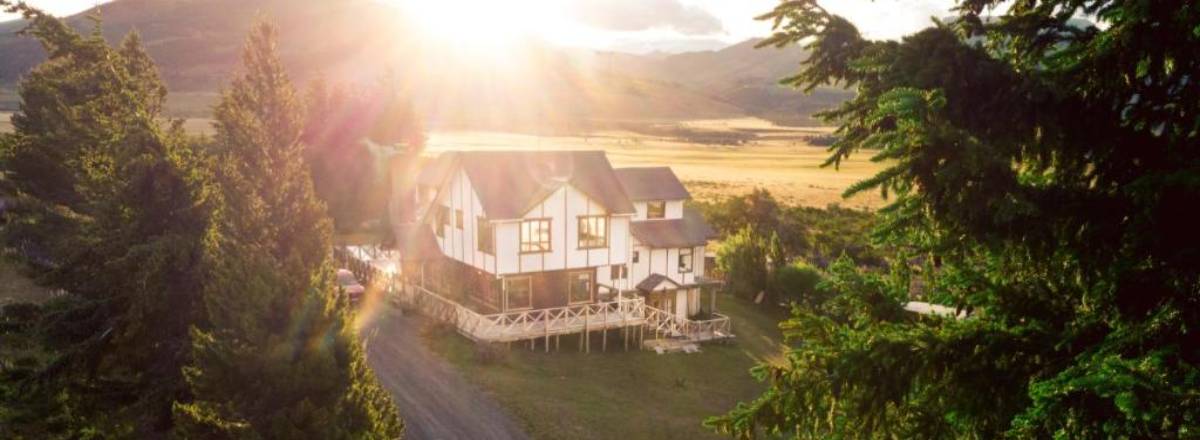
196, 44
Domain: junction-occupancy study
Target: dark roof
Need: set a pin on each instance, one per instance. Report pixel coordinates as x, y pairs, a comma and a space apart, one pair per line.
415, 241
691, 230
510, 183
655, 183
434, 171
653, 281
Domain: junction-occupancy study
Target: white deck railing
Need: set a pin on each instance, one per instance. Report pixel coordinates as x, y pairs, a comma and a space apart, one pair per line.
623, 311
528, 324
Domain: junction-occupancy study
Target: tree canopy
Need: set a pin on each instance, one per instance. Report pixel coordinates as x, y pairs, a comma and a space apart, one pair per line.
277, 356
197, 290
1043, 169
104, 205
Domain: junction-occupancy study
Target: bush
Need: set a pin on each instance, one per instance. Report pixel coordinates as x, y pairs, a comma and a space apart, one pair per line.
799, 283
742, 257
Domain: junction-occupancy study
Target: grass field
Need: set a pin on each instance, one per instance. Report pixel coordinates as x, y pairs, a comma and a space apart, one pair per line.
779, 160
624, 395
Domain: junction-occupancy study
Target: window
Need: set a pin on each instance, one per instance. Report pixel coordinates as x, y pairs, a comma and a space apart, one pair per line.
440, 220
458, 218
535, 235
593, 231
580, 288
636, 256
518, 293
656, 209
619, 272
485, 236
685, 260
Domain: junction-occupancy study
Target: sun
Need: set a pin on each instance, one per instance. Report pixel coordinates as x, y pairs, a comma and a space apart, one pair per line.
495, 25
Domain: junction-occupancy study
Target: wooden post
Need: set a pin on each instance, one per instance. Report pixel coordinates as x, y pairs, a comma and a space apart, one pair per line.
547, 327
712, 301
584, 331
604, 328
557, 341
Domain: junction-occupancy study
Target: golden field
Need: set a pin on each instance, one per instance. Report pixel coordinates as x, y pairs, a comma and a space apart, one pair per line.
779, 159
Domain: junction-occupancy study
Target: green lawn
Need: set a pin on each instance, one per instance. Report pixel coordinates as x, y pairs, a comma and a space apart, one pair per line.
624, 395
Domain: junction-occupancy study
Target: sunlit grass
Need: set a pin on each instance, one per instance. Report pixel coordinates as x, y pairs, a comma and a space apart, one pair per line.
624, 395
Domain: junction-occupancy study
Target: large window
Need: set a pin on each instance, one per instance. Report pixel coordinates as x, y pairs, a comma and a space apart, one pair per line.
485, 236
593, 231
580, 288
535, 235
685, 260
518, 293
656, 209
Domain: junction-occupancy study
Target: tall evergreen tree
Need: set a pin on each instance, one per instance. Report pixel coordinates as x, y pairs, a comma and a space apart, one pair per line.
278, 357
1048, 168
107, 208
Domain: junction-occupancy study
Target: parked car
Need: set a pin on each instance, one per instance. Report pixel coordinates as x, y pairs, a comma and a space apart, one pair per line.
350, 285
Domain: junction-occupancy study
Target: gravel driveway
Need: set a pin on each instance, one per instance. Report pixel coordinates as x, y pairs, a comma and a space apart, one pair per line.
434, 399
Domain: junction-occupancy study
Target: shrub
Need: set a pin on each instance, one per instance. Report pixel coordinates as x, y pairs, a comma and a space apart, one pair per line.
799, 283
743, 260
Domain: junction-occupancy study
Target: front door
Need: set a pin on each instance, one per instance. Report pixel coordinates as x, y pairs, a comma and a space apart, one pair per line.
663, 300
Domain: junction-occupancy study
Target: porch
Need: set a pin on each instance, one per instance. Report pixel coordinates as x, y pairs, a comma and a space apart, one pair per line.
625, 312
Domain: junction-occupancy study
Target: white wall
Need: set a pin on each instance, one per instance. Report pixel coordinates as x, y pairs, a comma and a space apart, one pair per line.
460, 244
664, 262
563, 208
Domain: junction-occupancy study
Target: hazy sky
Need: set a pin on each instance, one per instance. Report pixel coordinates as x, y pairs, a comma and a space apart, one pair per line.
648, 25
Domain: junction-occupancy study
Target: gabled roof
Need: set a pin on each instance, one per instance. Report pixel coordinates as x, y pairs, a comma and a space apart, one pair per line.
434, 171
653, 281
510, 183
415, 242
691, 230
651, 183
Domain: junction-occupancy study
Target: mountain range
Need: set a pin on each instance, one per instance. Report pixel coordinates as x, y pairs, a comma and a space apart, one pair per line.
197, 43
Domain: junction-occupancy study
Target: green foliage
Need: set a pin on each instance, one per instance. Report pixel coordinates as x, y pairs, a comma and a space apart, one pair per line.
742, 257
277, 356
103, 205
799, 283
1042, 169
814, 234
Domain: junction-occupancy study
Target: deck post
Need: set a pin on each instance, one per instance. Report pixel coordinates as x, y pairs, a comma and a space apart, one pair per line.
604, 328
557, 341
547, 327
712, 301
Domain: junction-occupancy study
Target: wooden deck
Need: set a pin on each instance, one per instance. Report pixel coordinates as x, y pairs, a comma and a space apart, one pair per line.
628, 313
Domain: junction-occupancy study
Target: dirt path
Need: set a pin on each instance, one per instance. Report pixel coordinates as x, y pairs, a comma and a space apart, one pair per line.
435, 401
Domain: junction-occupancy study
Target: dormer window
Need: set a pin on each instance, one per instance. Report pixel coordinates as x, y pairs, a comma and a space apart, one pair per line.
656, 209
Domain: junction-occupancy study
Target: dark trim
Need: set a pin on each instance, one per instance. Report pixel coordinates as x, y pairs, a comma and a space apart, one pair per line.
579, 219
504, 288
521, 238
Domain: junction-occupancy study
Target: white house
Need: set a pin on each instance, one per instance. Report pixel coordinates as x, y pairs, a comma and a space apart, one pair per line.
504, 231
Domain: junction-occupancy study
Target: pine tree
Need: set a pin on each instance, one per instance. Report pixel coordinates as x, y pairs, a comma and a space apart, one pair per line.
278, 357
1044, 170
107, 208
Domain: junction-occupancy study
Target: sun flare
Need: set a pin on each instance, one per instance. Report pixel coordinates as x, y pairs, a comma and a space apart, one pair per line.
489, 25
